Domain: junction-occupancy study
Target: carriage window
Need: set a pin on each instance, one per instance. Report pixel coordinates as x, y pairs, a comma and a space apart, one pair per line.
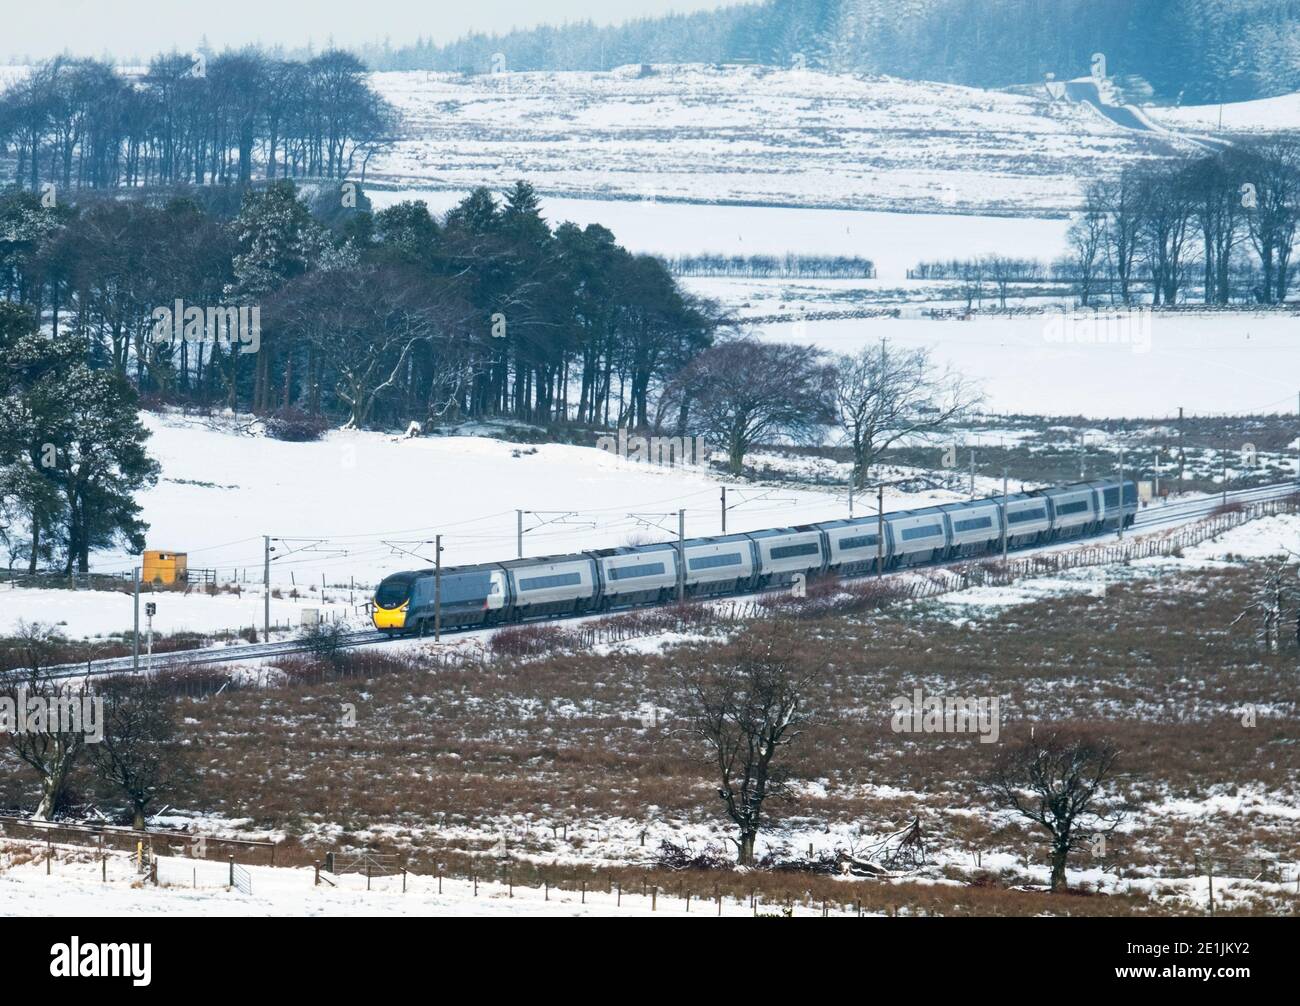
1020, 516
924, 531
628, 572
860, 541
1076, 507
972, 523
790, 551
714, 561
554, 580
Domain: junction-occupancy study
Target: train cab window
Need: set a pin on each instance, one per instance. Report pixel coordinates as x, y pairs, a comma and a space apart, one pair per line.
393, 590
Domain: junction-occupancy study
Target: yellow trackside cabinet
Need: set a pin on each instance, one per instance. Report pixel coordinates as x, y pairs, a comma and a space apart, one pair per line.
164, 567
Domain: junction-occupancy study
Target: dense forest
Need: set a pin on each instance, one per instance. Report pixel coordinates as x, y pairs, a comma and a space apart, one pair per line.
1193, 50
371, 318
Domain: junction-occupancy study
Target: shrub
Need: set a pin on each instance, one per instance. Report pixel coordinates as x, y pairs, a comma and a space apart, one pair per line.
531, 640
295, 425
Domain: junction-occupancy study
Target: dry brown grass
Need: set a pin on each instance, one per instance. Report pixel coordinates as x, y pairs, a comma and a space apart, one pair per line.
441, 757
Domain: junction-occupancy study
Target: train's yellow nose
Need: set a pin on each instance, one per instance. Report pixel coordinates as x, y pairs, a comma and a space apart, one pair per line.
389, 618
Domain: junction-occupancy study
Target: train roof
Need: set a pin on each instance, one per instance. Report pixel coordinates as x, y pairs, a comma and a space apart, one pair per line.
661, 546
773, 532
722, 539
835, 525
539, 560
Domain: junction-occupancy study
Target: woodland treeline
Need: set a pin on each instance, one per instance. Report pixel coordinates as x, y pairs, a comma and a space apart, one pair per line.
196, 118
1193, 51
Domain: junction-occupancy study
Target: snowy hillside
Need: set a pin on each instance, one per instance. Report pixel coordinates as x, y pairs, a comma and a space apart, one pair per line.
1265, 114
751, 135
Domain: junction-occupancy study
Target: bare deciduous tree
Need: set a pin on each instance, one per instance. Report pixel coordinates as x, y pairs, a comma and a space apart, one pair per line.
883, 395
1275, 603
748, 703
140, 754
1087, 241
1054, 780
42, 741
751, 392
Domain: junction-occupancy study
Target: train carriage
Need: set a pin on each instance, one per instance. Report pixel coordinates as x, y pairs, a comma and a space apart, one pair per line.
1114, 503
720, 565
974, 527
467, 596
1073, 510
642, 574
552, 585
1028, 519
917, 535
854, 545
786, 552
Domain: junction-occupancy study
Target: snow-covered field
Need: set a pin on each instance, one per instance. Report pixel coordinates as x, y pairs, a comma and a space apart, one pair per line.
1235, 364
751, 135
200, 887
1261, 115
893, 241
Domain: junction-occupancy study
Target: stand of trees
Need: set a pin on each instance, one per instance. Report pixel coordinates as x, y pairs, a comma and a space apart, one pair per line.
1222, 226
375, 319
198, 118
1212, 221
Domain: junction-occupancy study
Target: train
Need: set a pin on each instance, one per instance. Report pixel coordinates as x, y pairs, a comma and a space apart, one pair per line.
600, 580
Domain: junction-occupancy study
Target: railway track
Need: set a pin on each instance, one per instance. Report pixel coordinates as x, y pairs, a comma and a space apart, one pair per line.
1148, 519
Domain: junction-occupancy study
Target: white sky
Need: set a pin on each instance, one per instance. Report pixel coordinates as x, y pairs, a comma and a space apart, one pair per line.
126, 28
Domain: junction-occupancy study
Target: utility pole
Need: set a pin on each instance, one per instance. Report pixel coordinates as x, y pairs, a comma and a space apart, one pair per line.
1182, 450
1004, 516
972, 473
1155, 485
135, 636
1225, 473
880, 530
724, 509
266, 588
1083, 456
437, 588
681, 556
1121, 494
519, 534
850, 499
149, 609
